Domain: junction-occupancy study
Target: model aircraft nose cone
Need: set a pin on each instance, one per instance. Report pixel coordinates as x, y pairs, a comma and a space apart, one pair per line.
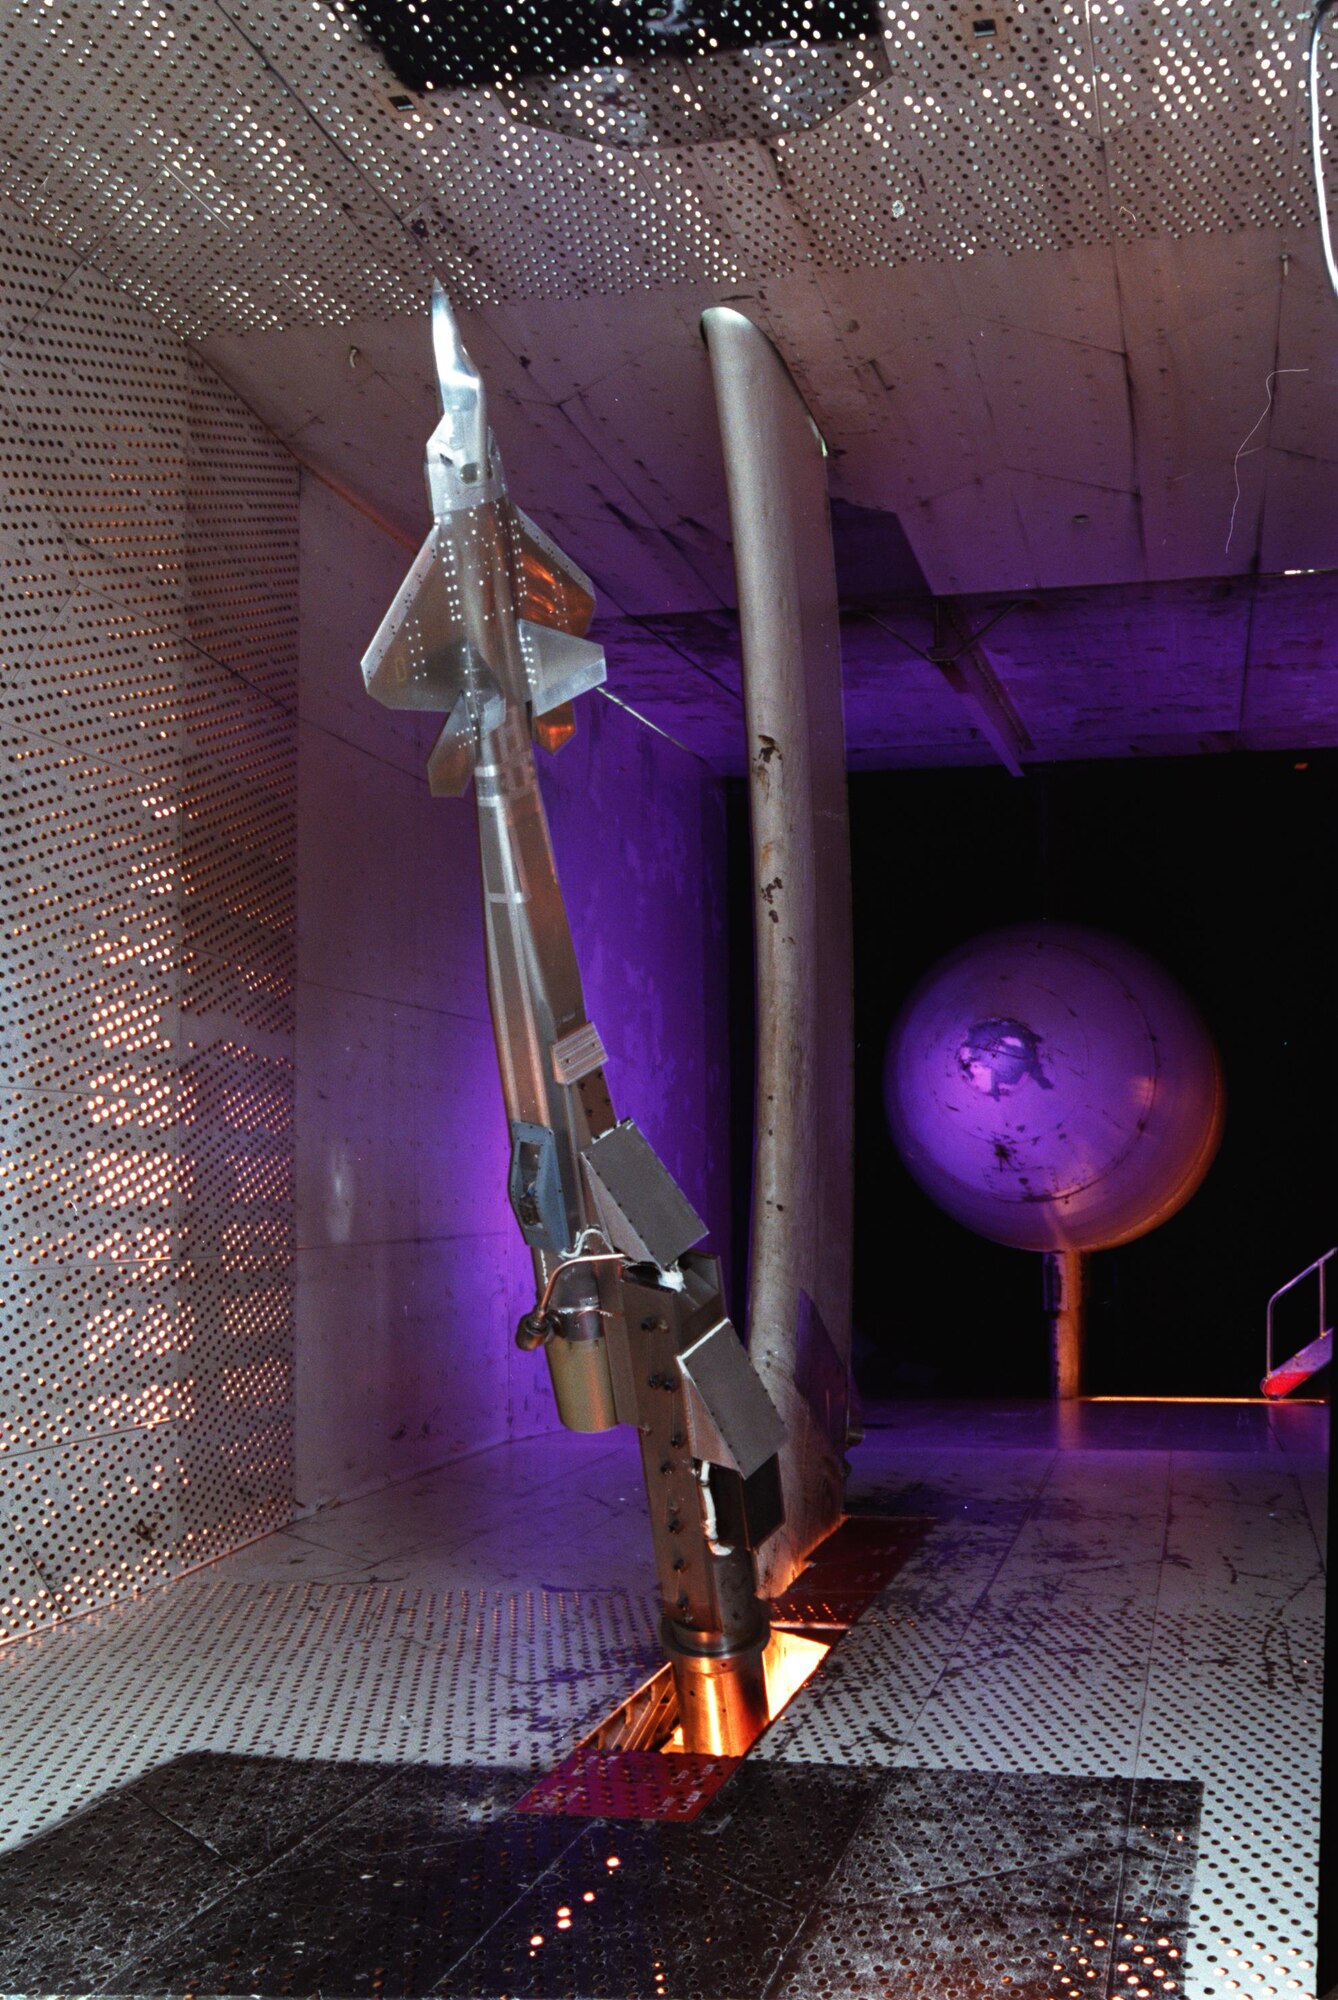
456, 373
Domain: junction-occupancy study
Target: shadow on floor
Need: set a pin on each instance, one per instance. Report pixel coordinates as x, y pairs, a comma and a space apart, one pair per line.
228, 1876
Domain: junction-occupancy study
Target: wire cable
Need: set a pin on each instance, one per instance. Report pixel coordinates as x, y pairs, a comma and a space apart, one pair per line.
1322, 7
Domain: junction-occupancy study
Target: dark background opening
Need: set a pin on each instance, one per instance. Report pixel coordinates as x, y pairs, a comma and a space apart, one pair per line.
1220, 868
460, 43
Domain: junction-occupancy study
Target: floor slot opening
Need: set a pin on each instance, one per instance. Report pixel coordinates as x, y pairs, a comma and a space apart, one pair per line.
632, 1764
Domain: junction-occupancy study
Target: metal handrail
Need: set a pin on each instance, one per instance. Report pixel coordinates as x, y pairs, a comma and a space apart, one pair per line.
1291, 1283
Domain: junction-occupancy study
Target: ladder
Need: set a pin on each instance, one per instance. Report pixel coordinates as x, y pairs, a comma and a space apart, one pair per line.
1281, 1379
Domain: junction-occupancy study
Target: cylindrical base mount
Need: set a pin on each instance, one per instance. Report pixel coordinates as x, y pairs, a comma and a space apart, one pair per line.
582, 1385
722, 1696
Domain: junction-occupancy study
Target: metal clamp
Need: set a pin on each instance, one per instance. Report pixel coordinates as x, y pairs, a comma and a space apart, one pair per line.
541, 1323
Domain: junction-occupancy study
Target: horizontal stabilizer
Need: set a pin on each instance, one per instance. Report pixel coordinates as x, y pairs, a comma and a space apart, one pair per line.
421, 656
558, 665
550, 590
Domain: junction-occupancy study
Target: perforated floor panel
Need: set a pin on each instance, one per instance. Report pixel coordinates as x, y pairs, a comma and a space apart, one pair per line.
1073, 1746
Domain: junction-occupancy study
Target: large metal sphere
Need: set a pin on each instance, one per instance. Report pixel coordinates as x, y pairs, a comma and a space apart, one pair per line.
1054, 1089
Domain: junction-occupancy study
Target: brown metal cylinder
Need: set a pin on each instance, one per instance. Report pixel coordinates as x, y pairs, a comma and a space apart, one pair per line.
722, 1698
582, 1385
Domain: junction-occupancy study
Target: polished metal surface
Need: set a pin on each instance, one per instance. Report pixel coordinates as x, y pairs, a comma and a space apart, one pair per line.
722, 1698
731, 1419
800, 1254
487, 629
453, 641
708, 1579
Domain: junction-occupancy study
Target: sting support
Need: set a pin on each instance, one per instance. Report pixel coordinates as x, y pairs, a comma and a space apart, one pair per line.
488, 630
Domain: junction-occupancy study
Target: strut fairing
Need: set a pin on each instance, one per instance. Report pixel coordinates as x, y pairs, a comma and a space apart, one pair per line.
488, 630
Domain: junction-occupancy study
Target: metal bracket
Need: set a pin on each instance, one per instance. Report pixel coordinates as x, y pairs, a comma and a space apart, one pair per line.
641, 1208
731, 1419
534, 1186
576, 1054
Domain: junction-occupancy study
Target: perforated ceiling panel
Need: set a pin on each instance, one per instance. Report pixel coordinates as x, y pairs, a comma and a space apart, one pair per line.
158, 142
246, 164
148, 558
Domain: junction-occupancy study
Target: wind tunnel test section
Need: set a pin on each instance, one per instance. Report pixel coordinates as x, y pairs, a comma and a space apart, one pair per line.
488, 630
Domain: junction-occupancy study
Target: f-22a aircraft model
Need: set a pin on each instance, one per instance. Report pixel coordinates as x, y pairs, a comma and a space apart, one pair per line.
488, 629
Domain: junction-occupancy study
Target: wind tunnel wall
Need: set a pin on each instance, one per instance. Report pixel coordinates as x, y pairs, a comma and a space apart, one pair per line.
257, 1254
148, 541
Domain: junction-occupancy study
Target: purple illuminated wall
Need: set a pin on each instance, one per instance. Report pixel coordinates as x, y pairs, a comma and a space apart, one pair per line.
411, 1274
639, 835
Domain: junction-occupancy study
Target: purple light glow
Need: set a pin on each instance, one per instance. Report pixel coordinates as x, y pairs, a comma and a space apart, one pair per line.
1053, 1088
638, 832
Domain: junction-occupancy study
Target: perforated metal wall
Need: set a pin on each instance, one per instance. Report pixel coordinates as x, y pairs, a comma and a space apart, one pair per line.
147, 605
249, 164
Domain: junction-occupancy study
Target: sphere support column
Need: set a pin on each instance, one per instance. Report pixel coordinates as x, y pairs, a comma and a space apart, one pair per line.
1065, 1281
1054, 1089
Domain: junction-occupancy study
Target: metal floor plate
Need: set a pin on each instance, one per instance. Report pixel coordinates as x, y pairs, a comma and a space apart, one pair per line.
629, 1784
961, 1886
1072, 1745
848, 1571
